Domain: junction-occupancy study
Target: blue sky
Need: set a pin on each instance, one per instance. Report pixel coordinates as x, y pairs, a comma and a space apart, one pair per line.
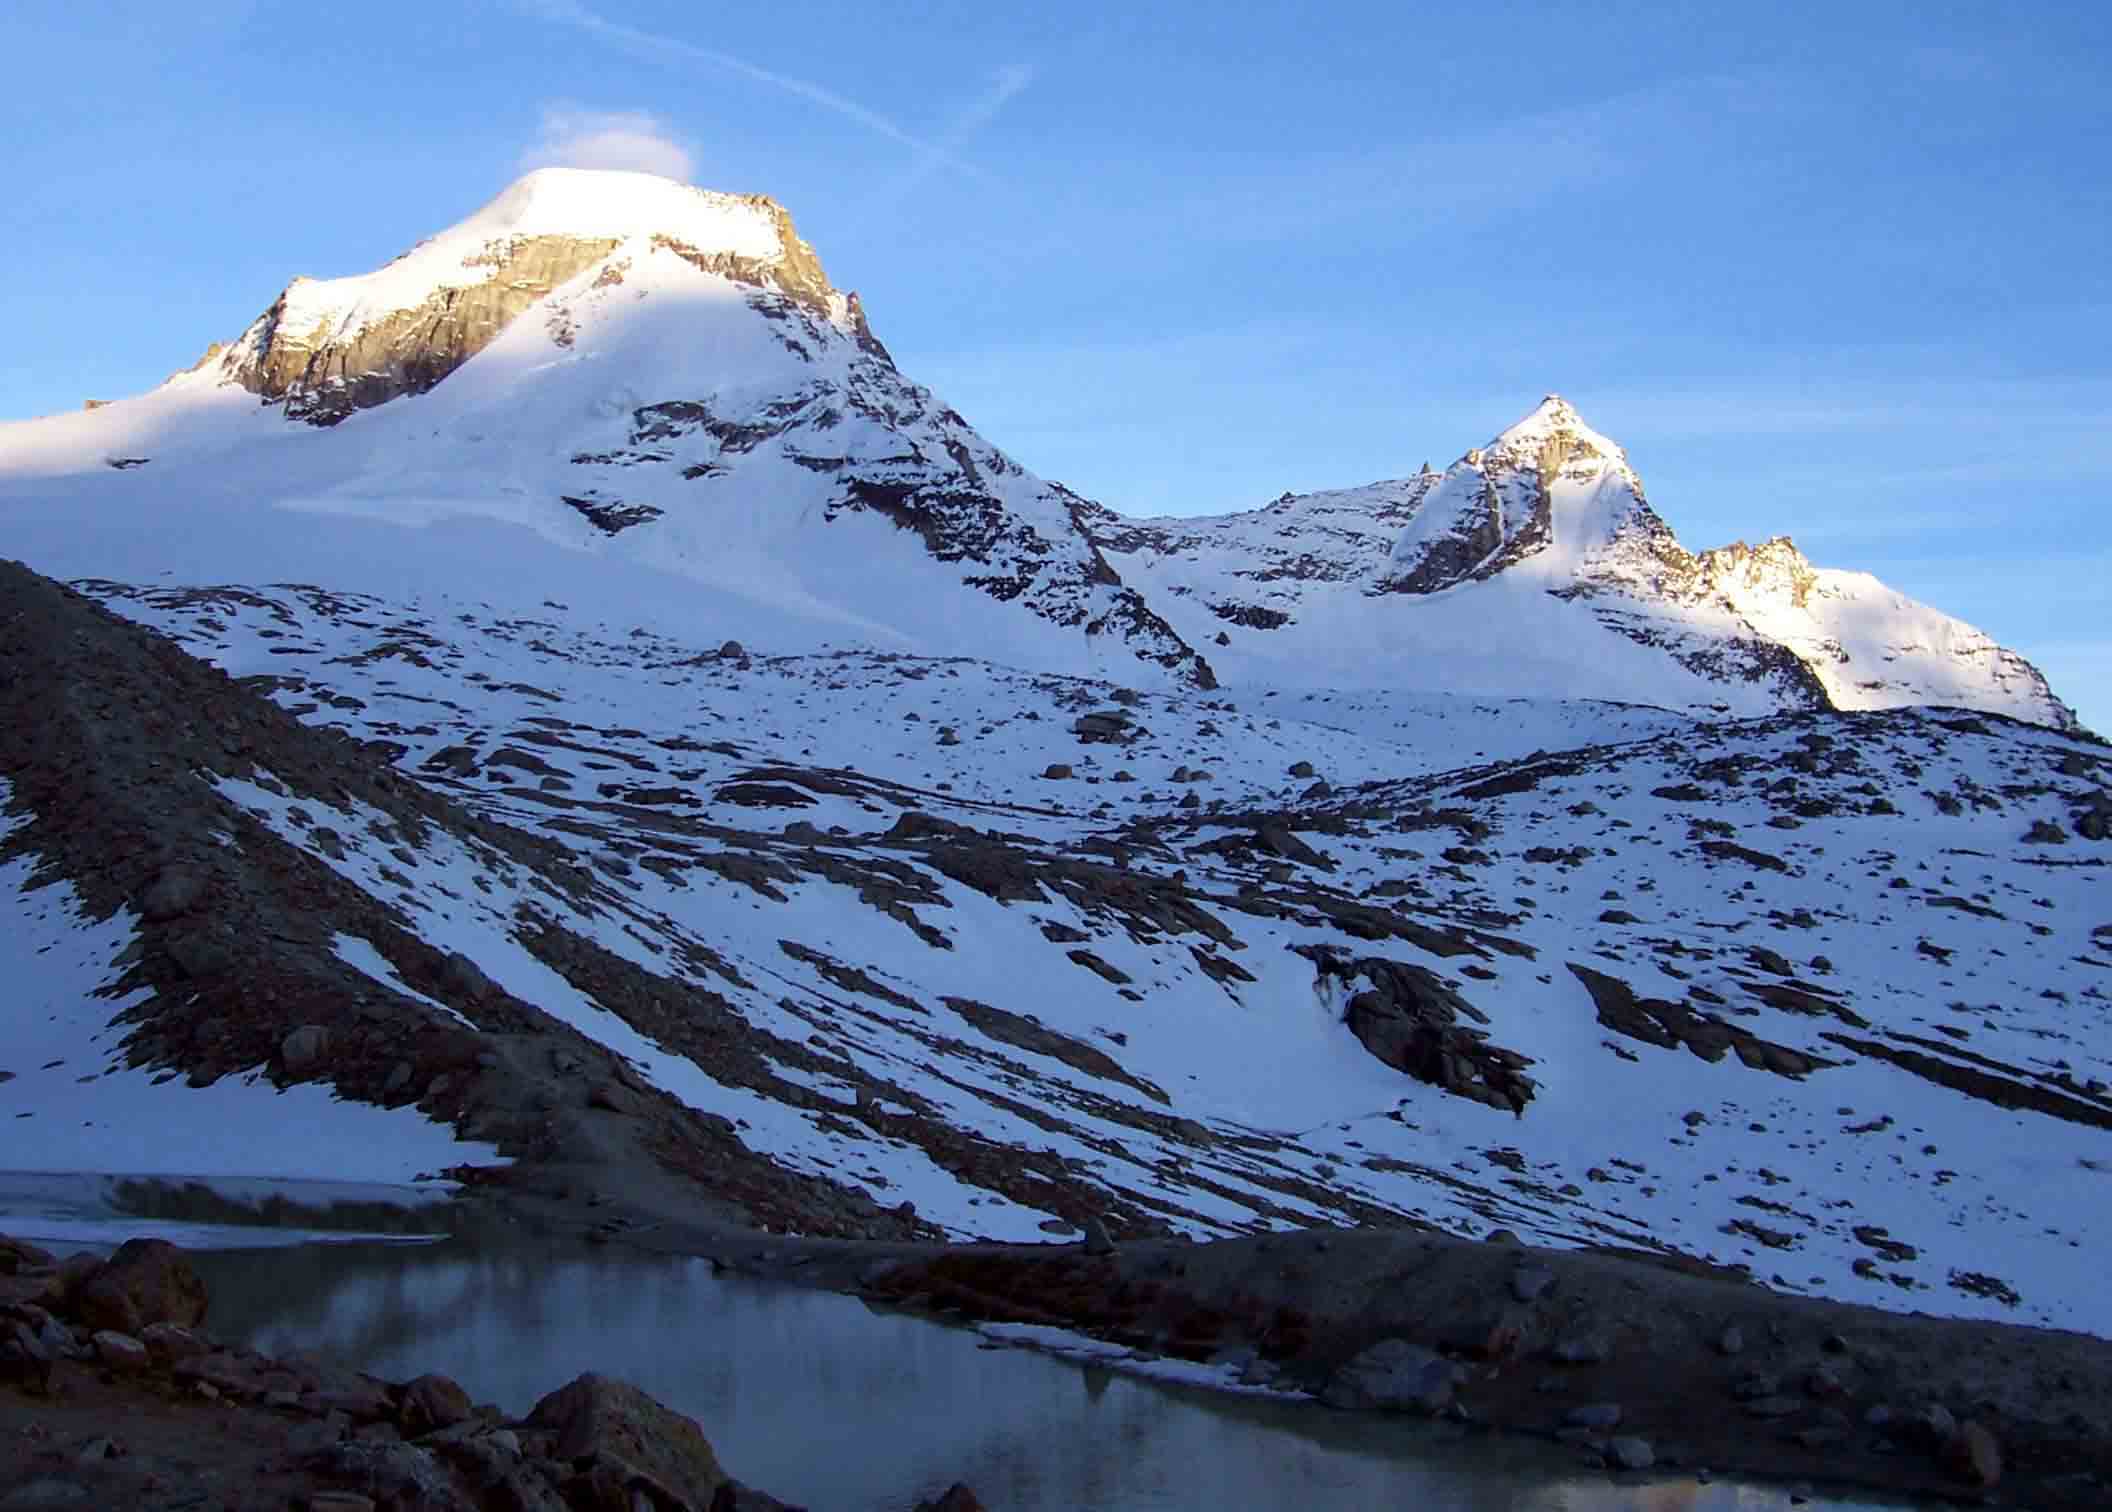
1833, 270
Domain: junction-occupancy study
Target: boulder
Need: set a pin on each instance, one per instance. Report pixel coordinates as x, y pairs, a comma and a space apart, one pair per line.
303, 1050
1393, 1376
1974, 1455
146, 1281
174, 892
170, 1342
614, 1426
24, 1358
17, 1255
431, 1402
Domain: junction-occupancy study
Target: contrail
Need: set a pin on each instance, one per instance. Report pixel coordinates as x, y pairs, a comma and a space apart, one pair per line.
615, 33
1004, 87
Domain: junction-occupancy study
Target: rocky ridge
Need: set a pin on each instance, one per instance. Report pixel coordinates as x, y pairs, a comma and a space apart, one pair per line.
1551, 505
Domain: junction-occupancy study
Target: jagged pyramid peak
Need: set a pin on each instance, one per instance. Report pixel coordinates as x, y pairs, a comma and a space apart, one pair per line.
1554, 418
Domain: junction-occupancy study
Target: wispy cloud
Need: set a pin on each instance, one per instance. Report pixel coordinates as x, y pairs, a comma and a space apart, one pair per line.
572, 137
659, 48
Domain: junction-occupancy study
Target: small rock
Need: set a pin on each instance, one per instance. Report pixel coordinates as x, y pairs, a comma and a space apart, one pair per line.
1584, 1347
313, 1437
1631, 1453
614, 1099
1097, 1241
1529, 1283
339, 1501
1393, 1375
1599, 1416
1936, 1425
957, 1498
121, 1352
1755, 1384
1057, 771
1774, 1406
96, 1450
1823, 1381
1731, 1341
45, 1492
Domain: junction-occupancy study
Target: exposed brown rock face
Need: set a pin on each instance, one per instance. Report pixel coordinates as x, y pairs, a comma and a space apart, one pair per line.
323, 379
323, 376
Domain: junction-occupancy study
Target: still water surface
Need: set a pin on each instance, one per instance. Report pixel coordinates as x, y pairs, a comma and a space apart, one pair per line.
821, 1400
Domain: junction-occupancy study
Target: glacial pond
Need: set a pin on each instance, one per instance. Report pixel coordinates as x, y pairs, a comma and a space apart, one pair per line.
811, 1396
824, 1401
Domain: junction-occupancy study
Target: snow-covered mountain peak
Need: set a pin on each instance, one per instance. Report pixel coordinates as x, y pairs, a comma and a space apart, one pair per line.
586, 202
1553, 418
329, 347
1548, 491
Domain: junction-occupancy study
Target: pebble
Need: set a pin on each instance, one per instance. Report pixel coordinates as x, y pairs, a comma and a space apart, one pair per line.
1773, 1406
1731, 1341
1598, 1415
1582, 1349
1631, 1453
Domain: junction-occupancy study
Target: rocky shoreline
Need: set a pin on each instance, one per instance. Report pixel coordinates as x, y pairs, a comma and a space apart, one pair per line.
113, 1394
1644, 1364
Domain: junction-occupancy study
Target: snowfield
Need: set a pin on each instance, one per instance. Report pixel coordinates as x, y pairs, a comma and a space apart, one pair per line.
1946, 1152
